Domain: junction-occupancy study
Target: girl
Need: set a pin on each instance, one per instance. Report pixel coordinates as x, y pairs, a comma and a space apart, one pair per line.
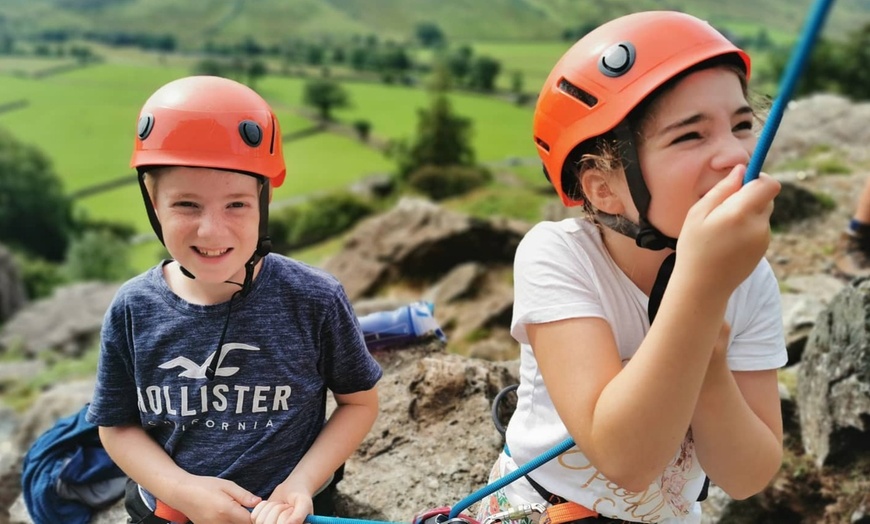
645, 122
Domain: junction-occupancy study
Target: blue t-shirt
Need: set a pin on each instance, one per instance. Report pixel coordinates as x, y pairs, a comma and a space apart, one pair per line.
293, 337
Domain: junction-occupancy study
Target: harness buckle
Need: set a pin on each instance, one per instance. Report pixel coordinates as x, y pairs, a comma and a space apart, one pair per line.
523, 510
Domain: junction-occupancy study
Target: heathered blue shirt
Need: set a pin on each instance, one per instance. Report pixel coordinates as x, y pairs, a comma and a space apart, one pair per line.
292, 338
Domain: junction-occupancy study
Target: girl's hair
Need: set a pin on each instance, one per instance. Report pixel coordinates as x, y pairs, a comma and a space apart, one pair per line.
601, 152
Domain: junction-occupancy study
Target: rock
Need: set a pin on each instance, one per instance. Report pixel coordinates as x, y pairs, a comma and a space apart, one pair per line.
834, 379
12, 293
67, 323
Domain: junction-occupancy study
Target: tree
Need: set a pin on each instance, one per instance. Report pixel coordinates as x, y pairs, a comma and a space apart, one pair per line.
257, 69
35, 215
98, 254
325, 94
484, 71
856, 66
430, 35
443, 139
460, 63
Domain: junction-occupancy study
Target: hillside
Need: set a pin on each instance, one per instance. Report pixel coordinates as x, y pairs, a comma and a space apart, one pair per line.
272, 21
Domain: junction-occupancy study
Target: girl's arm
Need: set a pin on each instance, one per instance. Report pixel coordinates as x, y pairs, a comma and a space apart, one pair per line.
737, 428
631, 421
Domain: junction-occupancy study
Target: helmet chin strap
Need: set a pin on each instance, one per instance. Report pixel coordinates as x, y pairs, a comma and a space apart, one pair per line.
264, 246
645, 234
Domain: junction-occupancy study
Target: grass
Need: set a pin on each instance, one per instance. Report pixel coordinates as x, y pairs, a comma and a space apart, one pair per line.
497, 201
532, 59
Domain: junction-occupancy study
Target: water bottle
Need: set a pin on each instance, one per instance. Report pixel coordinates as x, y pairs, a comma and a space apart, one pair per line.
400, 326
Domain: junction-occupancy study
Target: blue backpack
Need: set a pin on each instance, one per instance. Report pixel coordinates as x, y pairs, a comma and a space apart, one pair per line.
67, 474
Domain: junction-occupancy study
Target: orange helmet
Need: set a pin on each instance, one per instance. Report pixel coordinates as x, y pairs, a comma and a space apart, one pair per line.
608, 72
209, 121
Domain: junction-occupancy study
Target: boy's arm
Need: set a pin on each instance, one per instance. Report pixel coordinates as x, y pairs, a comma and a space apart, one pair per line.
346, 428
202, 499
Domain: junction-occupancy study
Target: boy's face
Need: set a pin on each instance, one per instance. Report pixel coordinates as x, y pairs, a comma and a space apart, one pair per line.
210, 220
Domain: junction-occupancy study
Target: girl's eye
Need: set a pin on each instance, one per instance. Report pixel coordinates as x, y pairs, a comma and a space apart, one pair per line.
184, 204
743, 126
688, 136
237, 204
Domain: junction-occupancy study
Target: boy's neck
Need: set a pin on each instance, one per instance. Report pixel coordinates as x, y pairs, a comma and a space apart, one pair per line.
203, 293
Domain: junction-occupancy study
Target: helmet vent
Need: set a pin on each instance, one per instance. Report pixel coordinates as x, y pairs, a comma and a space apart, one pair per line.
617, 59
543, 144
144, 126
272, 140
569, 88
251, 133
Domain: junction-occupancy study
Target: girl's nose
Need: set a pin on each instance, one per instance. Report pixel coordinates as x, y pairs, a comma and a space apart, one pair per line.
732, 151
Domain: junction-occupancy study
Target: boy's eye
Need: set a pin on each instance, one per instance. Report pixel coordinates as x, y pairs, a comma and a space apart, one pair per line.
743, 126
237, 204
185, 204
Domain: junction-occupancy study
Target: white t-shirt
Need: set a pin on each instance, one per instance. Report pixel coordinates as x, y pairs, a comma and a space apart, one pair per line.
562, 270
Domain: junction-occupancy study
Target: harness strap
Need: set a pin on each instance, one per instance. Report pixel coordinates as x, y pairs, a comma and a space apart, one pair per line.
561, 511
567, 512
169, 513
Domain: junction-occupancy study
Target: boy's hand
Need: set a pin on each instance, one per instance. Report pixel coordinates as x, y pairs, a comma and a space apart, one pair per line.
211, 500
292, 508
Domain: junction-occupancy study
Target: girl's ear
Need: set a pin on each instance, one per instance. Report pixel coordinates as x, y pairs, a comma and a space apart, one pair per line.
598, 188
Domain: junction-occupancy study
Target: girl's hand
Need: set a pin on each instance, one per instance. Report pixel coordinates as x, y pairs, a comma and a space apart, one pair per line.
727, 231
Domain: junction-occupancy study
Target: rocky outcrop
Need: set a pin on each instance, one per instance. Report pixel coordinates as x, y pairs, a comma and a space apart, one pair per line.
12, 294
834, 380
822, 121
419, 241
67, 323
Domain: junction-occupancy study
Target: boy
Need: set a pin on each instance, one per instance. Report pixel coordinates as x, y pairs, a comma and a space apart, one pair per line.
214, 366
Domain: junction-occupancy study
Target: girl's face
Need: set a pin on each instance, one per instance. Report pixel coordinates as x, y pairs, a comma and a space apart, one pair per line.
695, 133
210, 220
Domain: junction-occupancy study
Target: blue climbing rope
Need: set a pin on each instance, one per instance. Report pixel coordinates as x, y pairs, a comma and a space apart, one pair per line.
789, 81
510, 477
319, 519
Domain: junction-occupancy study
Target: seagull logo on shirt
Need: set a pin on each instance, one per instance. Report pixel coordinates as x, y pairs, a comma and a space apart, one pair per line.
192, 370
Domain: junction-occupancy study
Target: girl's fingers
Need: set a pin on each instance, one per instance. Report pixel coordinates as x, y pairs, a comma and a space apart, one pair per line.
721, 191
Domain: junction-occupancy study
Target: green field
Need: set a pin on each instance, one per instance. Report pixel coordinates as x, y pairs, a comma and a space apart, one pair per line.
533, 60
84, 121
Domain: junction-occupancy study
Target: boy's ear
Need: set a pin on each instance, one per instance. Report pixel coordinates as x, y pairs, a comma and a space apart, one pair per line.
599, 191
